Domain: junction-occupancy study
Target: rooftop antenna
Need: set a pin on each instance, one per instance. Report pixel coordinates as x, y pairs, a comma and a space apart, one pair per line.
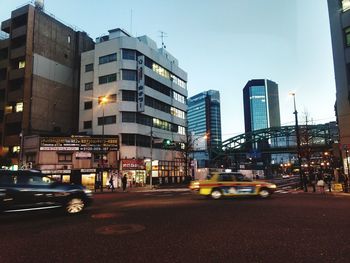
162, 36
131, 21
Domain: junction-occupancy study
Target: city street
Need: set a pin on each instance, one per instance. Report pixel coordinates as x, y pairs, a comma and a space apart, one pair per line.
176, 226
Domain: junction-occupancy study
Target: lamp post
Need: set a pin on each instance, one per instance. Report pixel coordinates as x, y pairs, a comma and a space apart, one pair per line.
298, 142
102, 101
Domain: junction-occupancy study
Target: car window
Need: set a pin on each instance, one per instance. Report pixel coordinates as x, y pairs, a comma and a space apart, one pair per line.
6, 180
38, 180
227, 178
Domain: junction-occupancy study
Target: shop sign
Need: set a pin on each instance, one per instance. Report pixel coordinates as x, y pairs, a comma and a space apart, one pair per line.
56, 171
83, 155
79, 143
88, 170
133, 164
140, 83
59, 148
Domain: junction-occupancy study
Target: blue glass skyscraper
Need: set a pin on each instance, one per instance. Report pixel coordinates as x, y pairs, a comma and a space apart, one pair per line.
204, 119
261, 105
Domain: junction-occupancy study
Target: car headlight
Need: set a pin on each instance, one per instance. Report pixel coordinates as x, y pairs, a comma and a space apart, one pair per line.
272, 186
88, 191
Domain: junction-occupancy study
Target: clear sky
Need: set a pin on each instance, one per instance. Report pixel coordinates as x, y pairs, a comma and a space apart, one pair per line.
222, 44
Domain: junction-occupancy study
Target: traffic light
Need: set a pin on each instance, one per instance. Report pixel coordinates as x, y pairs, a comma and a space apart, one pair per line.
167, 142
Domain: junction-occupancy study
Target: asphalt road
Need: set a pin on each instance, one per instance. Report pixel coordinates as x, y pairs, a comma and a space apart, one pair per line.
175, 226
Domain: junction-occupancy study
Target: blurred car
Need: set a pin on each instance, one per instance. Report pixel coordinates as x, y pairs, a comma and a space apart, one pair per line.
232, 184
285, 176
31, 190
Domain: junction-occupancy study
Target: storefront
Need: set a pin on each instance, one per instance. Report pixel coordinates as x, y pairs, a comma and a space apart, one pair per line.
135, 171
58, 175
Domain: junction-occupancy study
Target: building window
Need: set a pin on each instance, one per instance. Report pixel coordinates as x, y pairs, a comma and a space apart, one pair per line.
21, 64
16, 149
89, 86
129, 117
129, 54
179, 97
107, 79
19, 107
64, 157
108, 58
178, 113
347, 36
87, 105
107, 120
129, 74
87, 125
345, 5
128, 139
128, 95
181, 130
89, 67
68, 39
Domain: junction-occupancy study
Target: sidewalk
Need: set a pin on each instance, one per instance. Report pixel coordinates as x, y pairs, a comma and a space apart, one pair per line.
146, 188
326, 191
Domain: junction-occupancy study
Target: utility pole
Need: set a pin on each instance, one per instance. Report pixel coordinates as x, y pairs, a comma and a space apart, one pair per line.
151, 149
298, 144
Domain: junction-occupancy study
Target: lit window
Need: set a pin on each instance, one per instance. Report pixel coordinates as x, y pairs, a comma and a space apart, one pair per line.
19, 107
346, 5
8, 109
16, 149
21, 64
69, 39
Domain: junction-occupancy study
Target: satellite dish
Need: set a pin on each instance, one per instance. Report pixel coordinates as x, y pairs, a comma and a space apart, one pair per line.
39, 4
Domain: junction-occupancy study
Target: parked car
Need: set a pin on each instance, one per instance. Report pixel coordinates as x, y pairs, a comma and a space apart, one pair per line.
26, 190
232, 184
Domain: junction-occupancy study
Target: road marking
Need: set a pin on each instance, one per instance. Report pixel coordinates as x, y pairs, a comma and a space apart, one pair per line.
120, 229
105, 215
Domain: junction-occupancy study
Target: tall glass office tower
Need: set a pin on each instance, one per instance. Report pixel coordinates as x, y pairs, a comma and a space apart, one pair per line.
261, 105
204, 118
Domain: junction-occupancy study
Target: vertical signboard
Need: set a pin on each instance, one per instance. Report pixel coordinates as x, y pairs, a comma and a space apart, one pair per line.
140, 83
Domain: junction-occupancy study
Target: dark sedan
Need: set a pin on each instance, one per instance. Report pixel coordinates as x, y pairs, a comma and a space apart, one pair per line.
31, 190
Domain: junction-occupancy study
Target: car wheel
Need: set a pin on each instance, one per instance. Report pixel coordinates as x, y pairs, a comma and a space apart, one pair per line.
264, 193
75, 205
216, 194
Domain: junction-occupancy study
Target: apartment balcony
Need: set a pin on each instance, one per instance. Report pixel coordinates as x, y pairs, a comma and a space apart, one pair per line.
4, 43
6, 25
18, 52
16, 95
16, 74
19, 31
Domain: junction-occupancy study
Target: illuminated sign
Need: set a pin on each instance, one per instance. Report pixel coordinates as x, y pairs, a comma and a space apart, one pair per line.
140, 83
79, 143
133, 164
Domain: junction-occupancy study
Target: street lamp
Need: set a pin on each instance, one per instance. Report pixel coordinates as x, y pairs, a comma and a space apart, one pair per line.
298, 142
102, 101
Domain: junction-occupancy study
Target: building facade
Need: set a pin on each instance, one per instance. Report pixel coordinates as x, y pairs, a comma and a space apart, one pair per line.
39, 77
132, 89
339, 16
204, 125
261, 105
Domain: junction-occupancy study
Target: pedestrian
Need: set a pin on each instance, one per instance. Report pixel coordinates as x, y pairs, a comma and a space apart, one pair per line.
346, 182
320, 183
305, 180
313, 180
124, 182
328, 181
111, 183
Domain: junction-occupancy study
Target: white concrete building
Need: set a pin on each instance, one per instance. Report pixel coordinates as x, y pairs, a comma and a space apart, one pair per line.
146, 93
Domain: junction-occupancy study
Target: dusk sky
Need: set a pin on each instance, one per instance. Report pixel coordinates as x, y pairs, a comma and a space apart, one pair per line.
222, 44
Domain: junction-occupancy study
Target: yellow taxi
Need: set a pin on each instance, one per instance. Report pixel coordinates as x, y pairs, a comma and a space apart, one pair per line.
232, 184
